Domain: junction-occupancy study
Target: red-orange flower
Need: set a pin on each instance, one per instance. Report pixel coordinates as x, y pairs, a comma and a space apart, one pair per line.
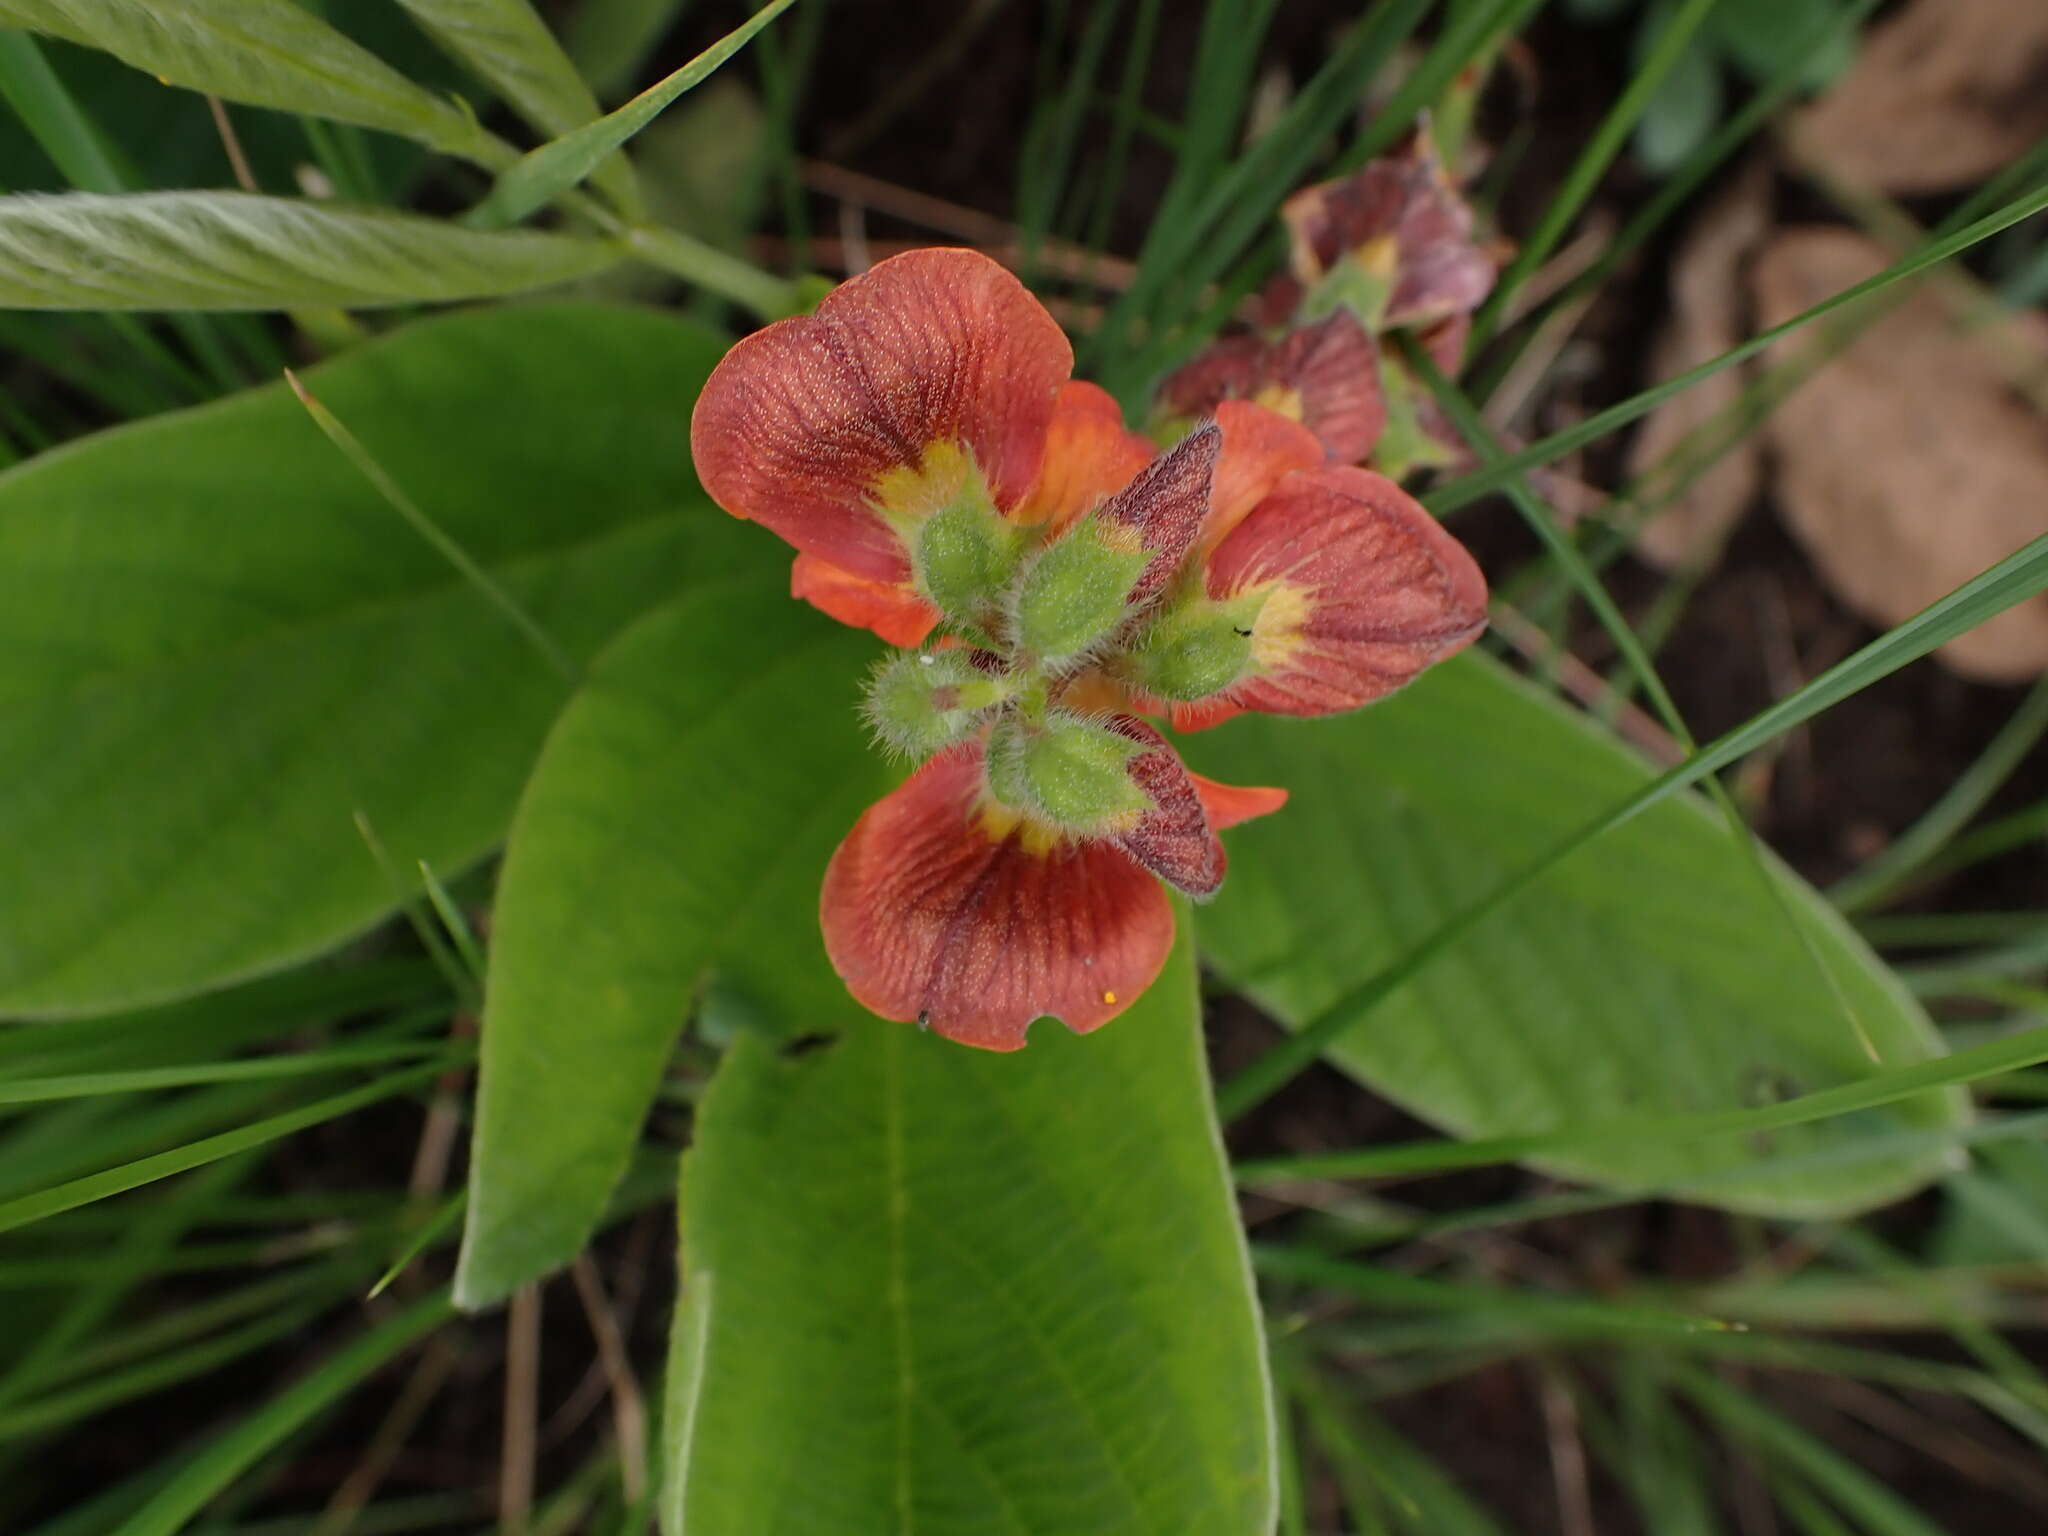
1403, 226
919, 442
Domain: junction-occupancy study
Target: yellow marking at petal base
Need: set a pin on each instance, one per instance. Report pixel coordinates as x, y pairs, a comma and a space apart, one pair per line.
910, 493
1277, 631
1380, 256
1120, 538
999, 821
1109, 997
1039, 837
1283, 399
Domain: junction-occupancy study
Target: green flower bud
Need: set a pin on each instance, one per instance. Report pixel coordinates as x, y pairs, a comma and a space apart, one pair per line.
921, 701
1078, 591
1196, 647
966, 554
1066, 770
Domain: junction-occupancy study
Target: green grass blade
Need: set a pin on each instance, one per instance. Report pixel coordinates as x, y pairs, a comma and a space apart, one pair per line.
1880, 1088
1592, 164
1852, 1490
206, 1474
1674, 193
113, 1181
1567, 1316
543, 174
432, 533
1467, 489
40, 1090
1960, 802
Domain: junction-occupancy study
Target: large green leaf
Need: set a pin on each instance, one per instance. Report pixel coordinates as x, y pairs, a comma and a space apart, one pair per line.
218, 644
679, 818
235, 250
268, 53
932, 1290
1652, 970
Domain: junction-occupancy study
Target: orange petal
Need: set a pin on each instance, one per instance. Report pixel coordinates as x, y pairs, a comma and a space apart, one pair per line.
1325, 375
1174, 839
892, 609
800, 423
1089, 457
1229, 804
1260, 447
929, 913
1365, 589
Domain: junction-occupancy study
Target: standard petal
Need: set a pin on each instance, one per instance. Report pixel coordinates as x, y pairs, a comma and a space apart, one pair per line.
801, 424
1260, 449
1364, 589
892, 609
934, 911
1089, 456
1325, 375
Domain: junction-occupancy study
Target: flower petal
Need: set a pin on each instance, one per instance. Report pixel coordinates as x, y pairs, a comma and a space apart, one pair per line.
932, 911
1260, 448
1166, 506
1365, 589
1230, 804
1325, 375
1174, 838
1402, 219
895, 610
1089, 456
801, 423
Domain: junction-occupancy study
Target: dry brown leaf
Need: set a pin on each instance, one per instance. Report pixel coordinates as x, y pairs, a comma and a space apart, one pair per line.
1907, 464
1706, 320
1943, 94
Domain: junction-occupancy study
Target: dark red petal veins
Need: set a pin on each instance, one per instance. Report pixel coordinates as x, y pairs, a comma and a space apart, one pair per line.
1174, 838
1166, 505
1325, 375
1365, 589
800, 422
931, 912
1334, 366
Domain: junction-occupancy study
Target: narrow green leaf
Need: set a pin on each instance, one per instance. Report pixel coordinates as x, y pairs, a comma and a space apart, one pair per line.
680, 817
268, 53
235, 250
611, 39
967, 1292
562, 163
220, 594
508, 45
44, 1203
1630, 1132
79, 1085
1652, 972
1680, 19
1469, 488
202, 1476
